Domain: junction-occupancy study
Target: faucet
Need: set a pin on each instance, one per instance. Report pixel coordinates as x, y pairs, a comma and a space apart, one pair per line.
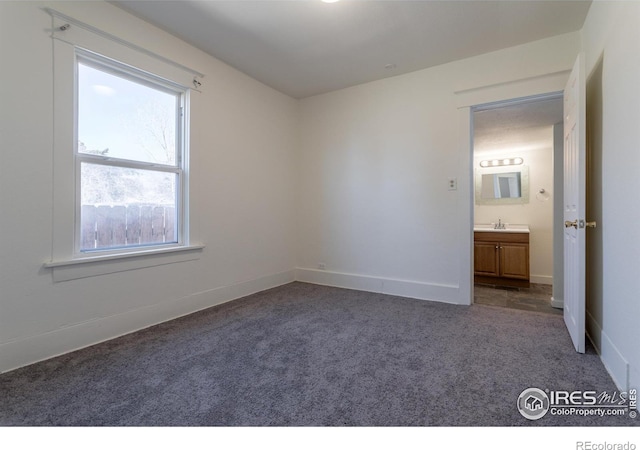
499, 225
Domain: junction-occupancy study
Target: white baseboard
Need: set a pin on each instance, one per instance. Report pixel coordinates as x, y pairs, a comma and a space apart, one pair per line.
25, 351
615, 363
634, 381
557, 303
594, 332
541, 279
612, 359
404, 288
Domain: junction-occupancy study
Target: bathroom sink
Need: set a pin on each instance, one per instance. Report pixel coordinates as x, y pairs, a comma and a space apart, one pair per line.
508, 228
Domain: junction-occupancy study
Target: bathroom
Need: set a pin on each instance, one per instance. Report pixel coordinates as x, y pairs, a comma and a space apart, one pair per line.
517, 170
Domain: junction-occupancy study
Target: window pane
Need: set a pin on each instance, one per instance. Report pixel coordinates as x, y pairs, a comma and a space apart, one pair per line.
124, 207
124, 119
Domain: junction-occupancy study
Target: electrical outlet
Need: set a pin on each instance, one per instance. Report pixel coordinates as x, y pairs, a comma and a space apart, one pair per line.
452, 184
322, 266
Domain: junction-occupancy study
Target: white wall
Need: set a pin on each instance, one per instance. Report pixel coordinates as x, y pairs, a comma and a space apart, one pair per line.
537, 212
244, 136
612, 34
374, 204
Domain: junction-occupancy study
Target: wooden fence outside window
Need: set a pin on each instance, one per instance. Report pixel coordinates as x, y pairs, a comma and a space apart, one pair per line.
119, 226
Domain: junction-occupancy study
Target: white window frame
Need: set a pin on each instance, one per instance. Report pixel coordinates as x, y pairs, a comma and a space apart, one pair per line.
129, 73
85, 44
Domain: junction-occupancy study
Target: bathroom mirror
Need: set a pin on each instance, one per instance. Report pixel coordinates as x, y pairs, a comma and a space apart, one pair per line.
504, 186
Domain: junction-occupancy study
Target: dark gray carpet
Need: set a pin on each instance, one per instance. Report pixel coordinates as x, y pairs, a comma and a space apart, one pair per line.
311, 355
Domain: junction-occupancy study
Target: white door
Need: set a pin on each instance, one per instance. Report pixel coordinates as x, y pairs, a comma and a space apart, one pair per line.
574, 204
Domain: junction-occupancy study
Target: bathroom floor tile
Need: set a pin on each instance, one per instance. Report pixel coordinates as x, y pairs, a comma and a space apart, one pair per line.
535, 298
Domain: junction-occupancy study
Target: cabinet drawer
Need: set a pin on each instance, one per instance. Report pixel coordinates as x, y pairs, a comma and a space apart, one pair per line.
489, 236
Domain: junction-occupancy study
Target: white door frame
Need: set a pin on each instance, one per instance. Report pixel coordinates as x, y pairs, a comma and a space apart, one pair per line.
466, 100
516, 101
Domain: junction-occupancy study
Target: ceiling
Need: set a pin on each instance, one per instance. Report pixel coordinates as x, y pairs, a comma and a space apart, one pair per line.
517, 127
307, 47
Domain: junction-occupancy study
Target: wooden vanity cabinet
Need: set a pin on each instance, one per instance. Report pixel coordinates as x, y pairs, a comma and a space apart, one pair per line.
501, 258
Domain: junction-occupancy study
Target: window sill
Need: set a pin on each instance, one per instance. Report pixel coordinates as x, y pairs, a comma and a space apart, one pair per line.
94, 265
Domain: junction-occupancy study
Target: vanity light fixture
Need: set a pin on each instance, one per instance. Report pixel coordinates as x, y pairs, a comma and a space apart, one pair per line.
330, 1
501, 162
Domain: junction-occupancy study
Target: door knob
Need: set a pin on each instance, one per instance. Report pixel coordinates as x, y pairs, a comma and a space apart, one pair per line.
591, 224
569, 224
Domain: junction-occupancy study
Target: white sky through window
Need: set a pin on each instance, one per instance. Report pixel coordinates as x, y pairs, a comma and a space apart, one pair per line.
131, 120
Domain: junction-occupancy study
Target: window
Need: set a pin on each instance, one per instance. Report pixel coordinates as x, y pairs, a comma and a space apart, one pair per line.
129, 157
120, 154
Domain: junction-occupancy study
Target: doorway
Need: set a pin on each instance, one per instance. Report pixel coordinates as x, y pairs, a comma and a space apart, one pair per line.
517, 185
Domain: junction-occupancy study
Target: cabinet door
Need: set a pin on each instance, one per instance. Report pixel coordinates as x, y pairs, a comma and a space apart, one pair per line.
485, 256
514, 261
